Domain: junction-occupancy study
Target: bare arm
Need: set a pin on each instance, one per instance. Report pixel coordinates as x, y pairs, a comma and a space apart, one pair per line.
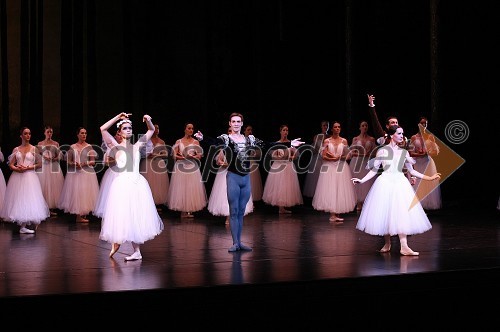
151, 128
378, 131
419, 175
367, 177
106, 136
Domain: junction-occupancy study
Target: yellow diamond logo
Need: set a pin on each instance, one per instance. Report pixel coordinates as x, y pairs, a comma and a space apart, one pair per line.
446, 160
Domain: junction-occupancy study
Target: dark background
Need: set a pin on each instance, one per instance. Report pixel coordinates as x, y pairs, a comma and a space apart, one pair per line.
78, 63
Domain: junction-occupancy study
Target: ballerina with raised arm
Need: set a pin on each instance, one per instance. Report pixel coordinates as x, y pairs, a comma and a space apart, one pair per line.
130, 213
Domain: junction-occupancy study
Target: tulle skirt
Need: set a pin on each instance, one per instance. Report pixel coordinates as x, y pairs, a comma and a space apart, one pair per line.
24, 201
256, 181
358, 170
187, 190
109, 175
52, 180
3, 186
217, 203
388, 208
429, 192
334, 190
282, 186
79, 192
156, 173
130, 212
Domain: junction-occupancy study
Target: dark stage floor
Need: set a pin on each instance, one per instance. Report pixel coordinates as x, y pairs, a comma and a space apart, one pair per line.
303, 272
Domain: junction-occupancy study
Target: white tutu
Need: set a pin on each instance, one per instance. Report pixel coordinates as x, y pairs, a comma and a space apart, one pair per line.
387, 208
358, 168
52, 180
24, 202
187, 190
217, 203
3, 186
130, 212
428, 191
109, 175
156, 173
282, 187
79, 192
334, 190
255, 181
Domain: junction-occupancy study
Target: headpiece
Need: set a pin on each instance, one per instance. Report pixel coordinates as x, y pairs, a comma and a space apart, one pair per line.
122, 122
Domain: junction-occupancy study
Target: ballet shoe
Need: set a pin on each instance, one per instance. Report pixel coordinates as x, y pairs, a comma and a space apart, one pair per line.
114, 249
234, 248
135, 256
25, 230
384, 249
284, 211
244, 247
81, 219
336, 220
409, 253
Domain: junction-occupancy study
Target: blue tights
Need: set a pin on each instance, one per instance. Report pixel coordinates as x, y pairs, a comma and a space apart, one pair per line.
238, 194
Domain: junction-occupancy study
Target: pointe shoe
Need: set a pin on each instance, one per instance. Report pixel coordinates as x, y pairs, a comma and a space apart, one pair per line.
284, 211
409, 253
244, 247
135, 256
227, 221
25, 230
384, 249
114, 249
336, 220
81, 219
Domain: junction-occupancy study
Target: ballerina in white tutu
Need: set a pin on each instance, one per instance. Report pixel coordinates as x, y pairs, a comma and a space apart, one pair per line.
391, 207
282, 187
51, 176
130, 213
24, 203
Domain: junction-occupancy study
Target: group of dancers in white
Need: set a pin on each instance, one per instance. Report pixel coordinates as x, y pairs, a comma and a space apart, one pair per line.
128, 201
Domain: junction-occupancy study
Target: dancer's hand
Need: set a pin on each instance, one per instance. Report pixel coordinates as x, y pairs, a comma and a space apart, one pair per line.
355, 181
296, 142
198, 136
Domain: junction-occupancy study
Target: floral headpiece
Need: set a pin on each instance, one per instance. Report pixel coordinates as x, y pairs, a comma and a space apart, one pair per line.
122, 122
